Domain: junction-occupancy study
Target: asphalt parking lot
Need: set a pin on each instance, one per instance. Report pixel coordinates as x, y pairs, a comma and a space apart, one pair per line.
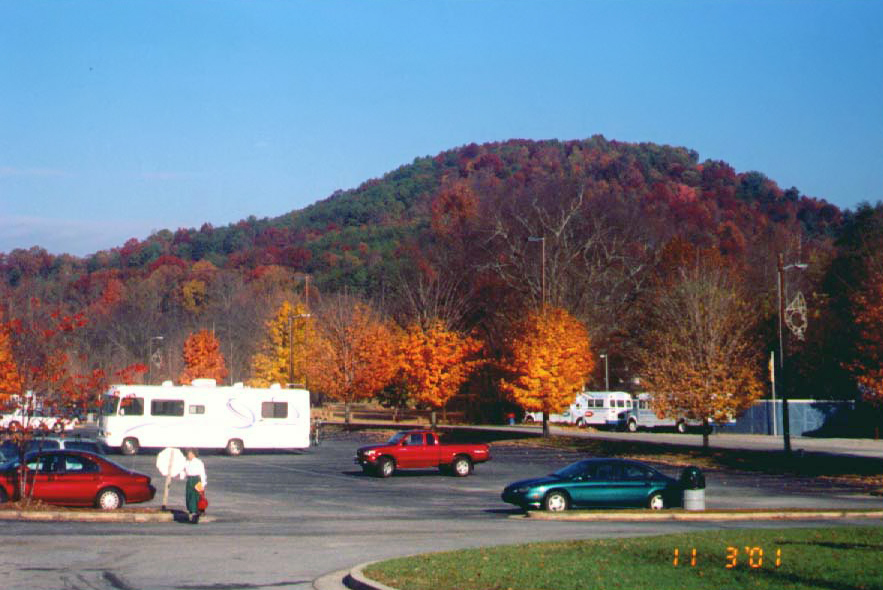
284, 519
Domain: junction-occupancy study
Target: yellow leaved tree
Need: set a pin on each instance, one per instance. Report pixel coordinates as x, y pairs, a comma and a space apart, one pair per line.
203, 358
548, 361
352, 351
281, 357
699, 356
436, 361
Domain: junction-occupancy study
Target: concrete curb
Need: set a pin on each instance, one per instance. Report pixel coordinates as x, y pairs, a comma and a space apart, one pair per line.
352, 579
76, 516
700, 516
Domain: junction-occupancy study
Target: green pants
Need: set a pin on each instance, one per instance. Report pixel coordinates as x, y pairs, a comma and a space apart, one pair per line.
192, 496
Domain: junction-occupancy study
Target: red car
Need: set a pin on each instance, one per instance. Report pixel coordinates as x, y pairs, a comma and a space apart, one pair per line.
75, 478
411, 449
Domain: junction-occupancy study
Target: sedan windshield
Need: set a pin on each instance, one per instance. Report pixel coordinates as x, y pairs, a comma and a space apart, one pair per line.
396, 438
574, 470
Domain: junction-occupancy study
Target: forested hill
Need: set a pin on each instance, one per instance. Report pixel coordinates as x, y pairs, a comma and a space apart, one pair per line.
350, 238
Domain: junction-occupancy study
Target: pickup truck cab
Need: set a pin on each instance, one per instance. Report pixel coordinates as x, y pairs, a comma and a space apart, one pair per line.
416, 449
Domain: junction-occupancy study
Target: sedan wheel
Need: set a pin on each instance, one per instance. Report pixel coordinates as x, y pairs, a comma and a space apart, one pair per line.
556, 502
462, 466
656, 502
3, 497
681, 427
385, 467
109, 500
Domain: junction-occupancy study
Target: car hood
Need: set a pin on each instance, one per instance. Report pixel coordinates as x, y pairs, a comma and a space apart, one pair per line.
372, 447
536, 481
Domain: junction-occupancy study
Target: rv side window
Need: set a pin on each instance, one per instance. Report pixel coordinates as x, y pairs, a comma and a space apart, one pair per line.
274, 410
167, 407
200, 409
132, 406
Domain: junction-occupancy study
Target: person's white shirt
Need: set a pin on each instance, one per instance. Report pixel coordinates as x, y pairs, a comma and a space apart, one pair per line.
194, 466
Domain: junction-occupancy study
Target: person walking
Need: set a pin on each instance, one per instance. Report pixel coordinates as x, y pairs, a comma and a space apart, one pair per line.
194, 476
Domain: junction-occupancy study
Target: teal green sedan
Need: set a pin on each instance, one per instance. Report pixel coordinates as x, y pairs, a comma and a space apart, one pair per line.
604, 483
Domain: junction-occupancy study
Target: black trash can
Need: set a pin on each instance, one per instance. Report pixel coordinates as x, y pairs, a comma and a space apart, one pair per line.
693, 481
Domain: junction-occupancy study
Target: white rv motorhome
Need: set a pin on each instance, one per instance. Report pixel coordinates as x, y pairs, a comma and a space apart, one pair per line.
203, 415
590, 408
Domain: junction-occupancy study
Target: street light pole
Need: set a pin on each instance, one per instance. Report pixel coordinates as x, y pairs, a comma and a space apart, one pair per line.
542, 241
606, 373
150, 356
786, 426
291, 346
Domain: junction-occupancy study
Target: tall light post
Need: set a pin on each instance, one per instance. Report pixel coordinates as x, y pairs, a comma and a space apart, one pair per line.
786, 427
606, 373
542, 241
291, 345
150, 356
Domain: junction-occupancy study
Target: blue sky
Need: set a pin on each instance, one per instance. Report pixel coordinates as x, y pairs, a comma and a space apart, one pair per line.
119, 118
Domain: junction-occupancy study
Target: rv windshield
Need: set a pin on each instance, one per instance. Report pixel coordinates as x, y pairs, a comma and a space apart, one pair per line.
109, 406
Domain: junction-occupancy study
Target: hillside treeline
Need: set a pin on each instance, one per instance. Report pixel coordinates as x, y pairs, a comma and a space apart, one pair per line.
475, 237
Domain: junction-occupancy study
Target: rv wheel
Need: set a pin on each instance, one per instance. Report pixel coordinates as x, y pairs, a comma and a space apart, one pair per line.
130, 446
234, 447
632, 426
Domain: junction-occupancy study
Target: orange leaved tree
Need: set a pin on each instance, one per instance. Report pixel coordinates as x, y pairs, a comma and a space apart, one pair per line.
548, 361
203, 358
436, 361
10, 379
699, 355
282, 354
867, 367
352, 351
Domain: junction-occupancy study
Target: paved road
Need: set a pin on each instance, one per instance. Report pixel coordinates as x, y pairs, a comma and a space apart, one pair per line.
286, 519
859, 447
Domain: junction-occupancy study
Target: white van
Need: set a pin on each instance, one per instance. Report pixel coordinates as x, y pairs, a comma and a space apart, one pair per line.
205, 416
591, 408
642, 415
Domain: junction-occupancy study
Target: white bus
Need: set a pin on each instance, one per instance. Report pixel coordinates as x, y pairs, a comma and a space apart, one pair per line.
643, 416
203, 415
591, 408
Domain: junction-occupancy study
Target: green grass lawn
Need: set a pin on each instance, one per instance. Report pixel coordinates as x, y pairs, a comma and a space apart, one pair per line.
838, 558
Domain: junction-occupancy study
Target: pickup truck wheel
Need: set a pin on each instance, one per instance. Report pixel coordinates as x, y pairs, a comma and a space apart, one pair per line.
461, 466
58, 428
528, 419
556, 502
385, 467
681, 427
130, 446
14, 426
632, 426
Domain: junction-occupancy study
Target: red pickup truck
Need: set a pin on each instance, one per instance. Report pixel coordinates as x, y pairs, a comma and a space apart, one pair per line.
411, 449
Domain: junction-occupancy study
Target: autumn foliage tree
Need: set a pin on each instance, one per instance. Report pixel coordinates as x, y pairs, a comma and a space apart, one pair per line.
203, 358
436, 361
352, 351
547, 362
282, 356
867, 368
699, 355
10, 379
